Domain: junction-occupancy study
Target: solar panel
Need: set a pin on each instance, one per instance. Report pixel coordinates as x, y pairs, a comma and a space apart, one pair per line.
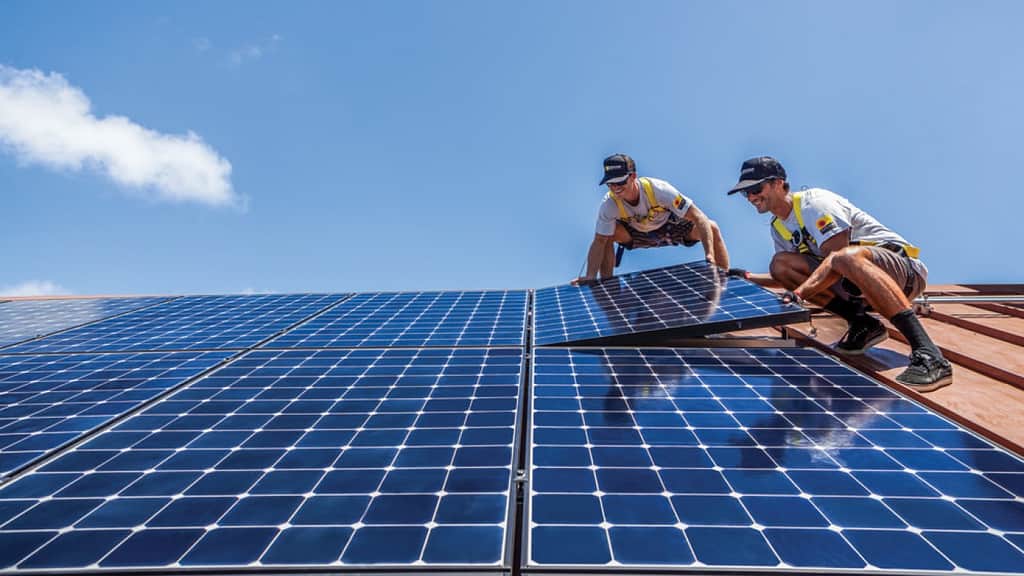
338, 458
684, 300
188, 323
24, 319
756, 459
47, 401
390, 319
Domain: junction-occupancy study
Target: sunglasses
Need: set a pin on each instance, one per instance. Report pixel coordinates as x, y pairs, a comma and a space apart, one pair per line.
753, 191
623, 183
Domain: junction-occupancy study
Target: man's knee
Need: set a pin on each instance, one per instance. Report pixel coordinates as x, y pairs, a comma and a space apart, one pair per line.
622, 236
785, 264
850, 259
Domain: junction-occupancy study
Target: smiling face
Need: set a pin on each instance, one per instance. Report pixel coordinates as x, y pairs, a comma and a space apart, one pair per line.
627, 190
767, 196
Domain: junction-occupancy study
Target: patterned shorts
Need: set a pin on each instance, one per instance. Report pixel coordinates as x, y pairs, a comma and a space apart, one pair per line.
672, 233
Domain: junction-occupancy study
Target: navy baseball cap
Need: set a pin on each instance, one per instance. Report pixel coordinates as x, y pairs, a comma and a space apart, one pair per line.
757, 170
617, 168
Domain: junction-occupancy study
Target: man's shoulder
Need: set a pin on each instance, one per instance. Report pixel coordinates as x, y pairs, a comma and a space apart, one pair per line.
663, 187
819, 198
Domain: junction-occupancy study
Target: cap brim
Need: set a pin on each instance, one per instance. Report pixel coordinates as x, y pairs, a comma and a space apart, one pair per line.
744, 184
608, 178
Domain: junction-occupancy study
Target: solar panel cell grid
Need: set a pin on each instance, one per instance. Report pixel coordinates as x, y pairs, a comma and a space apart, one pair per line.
345, 457
688, 300
24, 319
188, 323
756, 458
49, 400
389, 319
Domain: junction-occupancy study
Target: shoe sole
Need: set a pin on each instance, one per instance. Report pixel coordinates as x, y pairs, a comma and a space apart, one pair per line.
940, 383
860, 352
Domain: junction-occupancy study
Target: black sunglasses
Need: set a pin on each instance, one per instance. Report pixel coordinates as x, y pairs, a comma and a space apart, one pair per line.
623, 183
752, 191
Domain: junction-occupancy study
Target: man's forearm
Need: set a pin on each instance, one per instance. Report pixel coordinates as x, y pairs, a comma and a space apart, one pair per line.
707, 239
765, 280
594, 258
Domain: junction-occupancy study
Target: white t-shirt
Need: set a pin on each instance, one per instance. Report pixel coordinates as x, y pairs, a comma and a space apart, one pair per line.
666, 195
826, 214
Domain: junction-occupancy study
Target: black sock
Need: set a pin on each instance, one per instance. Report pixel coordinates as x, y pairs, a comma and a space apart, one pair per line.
846, 309
908, 324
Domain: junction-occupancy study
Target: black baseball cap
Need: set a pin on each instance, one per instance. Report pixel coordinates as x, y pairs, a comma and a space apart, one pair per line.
617, 167
757, 170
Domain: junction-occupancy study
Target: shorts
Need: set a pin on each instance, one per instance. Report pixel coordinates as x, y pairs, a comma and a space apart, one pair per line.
673, 232
896, 264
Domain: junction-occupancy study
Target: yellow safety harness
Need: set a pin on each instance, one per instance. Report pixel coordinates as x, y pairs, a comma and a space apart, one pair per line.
654, 209
787, 235
804, 248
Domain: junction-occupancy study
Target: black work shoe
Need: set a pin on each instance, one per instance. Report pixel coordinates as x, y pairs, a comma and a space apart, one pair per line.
863, 334
926, 372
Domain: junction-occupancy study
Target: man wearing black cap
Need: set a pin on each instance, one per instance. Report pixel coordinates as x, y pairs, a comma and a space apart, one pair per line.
642, 212
830, 252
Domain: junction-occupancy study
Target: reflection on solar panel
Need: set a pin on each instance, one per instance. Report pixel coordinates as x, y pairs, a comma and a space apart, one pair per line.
189, 323
24, 319
342, 458
683, 300
49, 400
487, 318
754, 459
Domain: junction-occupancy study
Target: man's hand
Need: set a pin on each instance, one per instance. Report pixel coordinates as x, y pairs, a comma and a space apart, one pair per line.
792, 296
583, 281
739, 273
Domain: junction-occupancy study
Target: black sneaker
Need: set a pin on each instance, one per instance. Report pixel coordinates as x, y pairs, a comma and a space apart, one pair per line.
863, 334
926, 372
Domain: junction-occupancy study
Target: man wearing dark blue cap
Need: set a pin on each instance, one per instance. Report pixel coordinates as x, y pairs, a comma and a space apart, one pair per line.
642, 212
830, 252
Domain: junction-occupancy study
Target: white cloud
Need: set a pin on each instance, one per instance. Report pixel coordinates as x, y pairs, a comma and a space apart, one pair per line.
254, 51
33, 288
45, 120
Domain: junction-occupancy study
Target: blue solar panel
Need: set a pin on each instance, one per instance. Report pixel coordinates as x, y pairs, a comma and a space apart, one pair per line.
683, 300
188, 323
389, 319
756, 459
285, 458
47, 401
24, 319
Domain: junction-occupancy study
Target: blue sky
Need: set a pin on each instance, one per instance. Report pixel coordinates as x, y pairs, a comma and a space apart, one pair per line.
209, 147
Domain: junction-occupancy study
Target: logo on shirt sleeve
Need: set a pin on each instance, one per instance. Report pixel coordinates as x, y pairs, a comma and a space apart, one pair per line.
678, 201
825, 224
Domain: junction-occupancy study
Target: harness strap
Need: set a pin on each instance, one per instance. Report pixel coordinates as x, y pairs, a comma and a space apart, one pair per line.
786, 234
653, 207
905, 249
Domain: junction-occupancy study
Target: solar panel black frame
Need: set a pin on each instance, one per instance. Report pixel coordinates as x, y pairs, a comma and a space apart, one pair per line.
101, 441
187, 323
959, 438
68, 315
322, 332
549, 325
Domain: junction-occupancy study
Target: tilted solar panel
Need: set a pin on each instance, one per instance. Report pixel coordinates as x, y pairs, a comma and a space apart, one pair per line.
755, 459
24, 319
188, 323
389, 319
289, 458
49, 400
684, 300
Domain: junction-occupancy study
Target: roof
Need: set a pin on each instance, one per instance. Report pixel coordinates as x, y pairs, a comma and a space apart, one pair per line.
983, 338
